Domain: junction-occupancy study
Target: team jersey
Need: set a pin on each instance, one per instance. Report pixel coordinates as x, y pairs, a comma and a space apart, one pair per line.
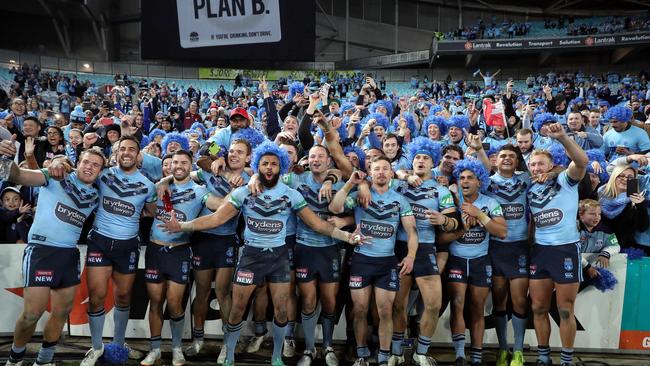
379, 221
511, 195
187, 200
63, 207
554, 207
219, 187
634, 139
597, 240
267, 214
121, 199
222, 137
428, 196
476, 241
402, 163
308, 188
151, 167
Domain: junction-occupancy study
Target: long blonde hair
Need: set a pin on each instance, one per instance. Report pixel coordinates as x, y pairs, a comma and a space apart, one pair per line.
610, 190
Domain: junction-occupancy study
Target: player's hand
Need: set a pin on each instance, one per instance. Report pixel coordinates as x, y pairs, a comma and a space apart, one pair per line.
236, 180
414, 181
255, 186
406, 265
356, 238
592, 272
8, 147
470, 209
435, 217
555, 131
444, 181
543, 177
58, 169
602, 262
217, 166
641, 159
338, 222
357, 177
162, 188
172, 225
325, 192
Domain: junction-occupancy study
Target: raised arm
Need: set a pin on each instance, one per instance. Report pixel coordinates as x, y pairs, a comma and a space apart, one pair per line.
338, 202
224, 213
27, 177
579, 160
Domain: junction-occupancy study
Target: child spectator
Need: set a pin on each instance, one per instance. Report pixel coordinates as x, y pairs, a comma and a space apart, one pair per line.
15, 217
596, 239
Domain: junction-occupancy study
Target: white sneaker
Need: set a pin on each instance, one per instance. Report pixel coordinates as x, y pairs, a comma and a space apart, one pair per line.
289, 349
360, 362
330, 357
306, 358
9, 363
222, 355
134, 354
194, 349
92, 356
152, 357
255, 343
177, 357
395, 360
424, 360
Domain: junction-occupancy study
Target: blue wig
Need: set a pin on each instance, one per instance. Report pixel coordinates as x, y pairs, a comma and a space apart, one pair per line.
543, 118
380, 118
252, 108
360, 154
269, 148
475, 167
144, 142
559, 155
175, 137
410, 124
253, 136
434, 120
382, 103
424, 145
156, 132
209, 131
619, 113
198, 126
261, 112
435, 109
296, 87
346, 107
458, 121
597, 155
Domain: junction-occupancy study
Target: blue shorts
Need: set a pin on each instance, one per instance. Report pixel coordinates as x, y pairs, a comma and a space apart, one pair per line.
509, 260
323, 263
561, 263
259, 265
210, 251
425, 263
53, 267
168, 263
122, 255
476, 271
381, 272
290, 243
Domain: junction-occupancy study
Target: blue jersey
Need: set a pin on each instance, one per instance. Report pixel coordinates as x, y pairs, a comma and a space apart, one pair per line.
554, 207
188, 200
643, 237
292, 224
63, 207
151, 167
267, 214
476, 241
222, 137
402, 163
430, 196
511, 195
379, 221
634, 139
122, 197
308, 188
219, 186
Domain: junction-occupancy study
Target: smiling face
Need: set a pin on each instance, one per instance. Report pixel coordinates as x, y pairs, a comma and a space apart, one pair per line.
181, 166
540, 164
506, 161
238, 155
11, 201
318, 159
390, 147
89, 167
127, 153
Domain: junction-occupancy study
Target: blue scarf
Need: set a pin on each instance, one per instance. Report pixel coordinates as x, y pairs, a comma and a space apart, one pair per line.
612, 207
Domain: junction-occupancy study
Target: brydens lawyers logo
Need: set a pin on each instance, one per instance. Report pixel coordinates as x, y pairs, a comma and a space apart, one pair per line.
194, 37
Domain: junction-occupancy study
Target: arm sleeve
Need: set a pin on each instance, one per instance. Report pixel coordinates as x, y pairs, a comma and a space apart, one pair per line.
272, 123
284, 111
304, 132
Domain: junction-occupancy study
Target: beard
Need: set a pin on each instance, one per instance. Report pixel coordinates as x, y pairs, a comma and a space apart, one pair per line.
269, 183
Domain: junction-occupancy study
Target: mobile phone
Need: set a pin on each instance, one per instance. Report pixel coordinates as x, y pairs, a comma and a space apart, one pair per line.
106, 121
214, 149
632, 186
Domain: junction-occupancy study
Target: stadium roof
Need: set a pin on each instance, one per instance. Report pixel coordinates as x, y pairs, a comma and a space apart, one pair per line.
551, 7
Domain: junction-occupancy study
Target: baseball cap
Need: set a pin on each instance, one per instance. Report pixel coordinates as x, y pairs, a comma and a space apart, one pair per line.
239, 111
9, 189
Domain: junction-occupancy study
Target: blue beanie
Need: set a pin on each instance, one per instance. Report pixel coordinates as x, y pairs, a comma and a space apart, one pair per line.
78, 115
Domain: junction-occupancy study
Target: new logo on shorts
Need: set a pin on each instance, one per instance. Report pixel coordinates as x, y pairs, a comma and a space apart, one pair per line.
456, 274
244, 277
356, 281
44, 276
151, 274
196, 260
94, 257
132, 258
488, 270
185, 266
301, 272
533, 269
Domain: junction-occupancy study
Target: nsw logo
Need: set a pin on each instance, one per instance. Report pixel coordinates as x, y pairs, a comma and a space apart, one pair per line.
301, 272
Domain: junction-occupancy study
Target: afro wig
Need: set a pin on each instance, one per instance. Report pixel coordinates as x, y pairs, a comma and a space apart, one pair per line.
458, 121
618, 113
380, 118
253, 136
475, 167
199, 127
360, 154
296, 88
156, 132
382, 103
434, 120
543, 118
559, 155
424, 145
410, 124
269, 148
175, 137
346, 107
597, 155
